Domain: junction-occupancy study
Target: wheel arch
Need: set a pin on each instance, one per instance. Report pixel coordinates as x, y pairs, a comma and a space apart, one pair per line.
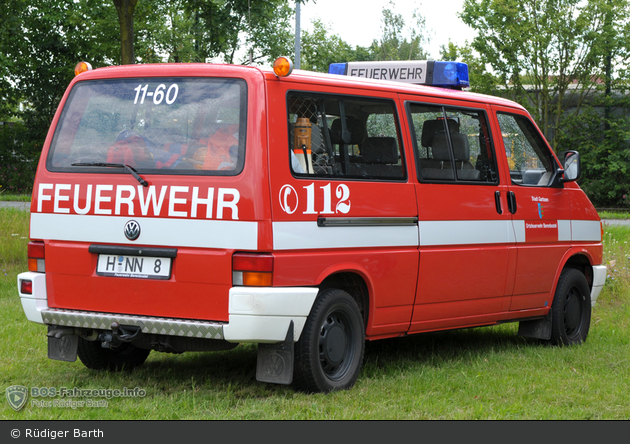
355, 284
579, 259
576, 259
581, 262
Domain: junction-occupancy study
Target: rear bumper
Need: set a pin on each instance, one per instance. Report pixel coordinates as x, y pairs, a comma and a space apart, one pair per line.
148, 325
256, 314
599, 278
263, 314
34, 304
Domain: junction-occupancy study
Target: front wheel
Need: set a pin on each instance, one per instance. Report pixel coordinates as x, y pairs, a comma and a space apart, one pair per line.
329, 354
571, 309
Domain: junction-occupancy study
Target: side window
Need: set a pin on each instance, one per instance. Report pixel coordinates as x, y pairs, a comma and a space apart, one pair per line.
342, 136
452, 145
528, 157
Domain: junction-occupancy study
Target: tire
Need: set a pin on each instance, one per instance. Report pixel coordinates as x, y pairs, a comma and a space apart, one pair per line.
127, 356
571, 309
329, 353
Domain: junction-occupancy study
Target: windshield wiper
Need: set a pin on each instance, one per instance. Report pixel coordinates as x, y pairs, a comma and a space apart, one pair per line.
131, 171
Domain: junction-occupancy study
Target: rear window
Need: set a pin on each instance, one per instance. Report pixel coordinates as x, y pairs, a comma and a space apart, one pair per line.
154, 125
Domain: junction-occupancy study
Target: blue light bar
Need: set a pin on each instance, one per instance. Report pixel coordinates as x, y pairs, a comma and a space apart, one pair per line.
450, 74
337, 68
419, 72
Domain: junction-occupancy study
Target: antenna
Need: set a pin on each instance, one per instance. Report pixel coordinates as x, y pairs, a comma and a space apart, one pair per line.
297, 34
251, 51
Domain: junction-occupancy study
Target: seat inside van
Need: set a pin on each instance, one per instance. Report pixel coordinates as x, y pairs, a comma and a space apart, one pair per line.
437, 163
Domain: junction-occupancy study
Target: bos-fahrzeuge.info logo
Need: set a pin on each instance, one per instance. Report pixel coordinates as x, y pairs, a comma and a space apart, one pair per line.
17, 396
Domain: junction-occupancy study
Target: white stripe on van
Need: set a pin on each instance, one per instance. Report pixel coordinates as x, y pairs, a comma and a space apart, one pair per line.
243, 235
519, 230
564, 230
466, 232
170, 232
308, 235
586, 230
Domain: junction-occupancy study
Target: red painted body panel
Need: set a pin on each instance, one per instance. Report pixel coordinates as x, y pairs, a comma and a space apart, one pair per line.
201, 278
411, 288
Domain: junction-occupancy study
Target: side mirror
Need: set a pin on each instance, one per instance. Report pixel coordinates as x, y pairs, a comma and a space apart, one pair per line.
572, 166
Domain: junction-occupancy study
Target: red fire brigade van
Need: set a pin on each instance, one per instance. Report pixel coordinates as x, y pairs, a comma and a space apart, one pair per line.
193, 207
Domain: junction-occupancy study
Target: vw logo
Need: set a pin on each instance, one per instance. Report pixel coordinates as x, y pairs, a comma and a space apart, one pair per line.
132, 230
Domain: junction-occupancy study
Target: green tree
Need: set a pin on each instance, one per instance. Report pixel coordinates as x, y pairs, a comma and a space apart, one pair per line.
481, 81
320, 48
548, 52
269, 31
399, 40
604, 145
43, 41
223, 28
40, 43
125, 10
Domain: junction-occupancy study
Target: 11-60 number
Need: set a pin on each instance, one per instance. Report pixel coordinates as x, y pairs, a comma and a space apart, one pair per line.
159, 95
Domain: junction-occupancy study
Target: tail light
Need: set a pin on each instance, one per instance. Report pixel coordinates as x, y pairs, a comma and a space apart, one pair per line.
36, 256
26, 286
252, 269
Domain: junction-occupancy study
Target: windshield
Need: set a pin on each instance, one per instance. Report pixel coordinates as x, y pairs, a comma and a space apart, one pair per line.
154, 125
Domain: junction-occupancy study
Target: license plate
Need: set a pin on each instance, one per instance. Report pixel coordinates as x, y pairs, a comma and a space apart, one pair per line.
140, 267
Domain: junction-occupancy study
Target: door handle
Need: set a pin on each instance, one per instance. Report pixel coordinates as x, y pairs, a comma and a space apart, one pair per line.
497, 202
511, 198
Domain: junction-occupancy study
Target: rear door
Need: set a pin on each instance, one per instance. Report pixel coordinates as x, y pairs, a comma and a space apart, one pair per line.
146, 192
342, 201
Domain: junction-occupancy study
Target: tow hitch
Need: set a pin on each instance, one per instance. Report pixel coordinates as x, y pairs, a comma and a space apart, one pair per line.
118, 335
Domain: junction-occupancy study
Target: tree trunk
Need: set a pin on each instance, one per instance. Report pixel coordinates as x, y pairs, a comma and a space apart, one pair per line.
125, 10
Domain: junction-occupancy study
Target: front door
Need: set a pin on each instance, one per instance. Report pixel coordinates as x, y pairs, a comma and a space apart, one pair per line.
540, 210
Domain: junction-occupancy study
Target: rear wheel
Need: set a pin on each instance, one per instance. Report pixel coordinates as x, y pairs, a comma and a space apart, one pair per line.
571, 309
126, 356
329, 354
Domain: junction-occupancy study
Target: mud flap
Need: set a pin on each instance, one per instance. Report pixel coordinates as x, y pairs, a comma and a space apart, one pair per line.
275, 361
63, 344
539, 329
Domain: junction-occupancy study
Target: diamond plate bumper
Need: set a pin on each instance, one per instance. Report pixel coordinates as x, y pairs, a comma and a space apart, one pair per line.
148, 325
256, 314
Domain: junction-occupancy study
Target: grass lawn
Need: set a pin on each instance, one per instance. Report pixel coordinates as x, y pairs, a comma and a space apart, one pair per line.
614, 214
485, 373
11, 197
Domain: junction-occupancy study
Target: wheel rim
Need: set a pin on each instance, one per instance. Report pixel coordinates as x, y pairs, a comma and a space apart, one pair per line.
573, 309
335, 345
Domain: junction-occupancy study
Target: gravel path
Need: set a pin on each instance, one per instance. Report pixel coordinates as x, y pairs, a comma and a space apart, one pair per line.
20, 205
